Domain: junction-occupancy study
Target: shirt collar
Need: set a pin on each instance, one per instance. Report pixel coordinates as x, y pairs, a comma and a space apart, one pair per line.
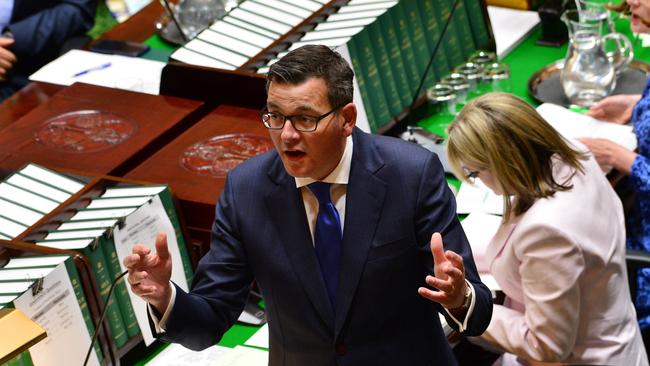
340, 174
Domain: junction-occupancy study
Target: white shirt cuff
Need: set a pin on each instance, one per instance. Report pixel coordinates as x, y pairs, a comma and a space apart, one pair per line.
161, 323
463, 325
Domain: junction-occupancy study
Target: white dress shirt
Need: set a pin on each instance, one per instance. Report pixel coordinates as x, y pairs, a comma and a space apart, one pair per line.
339, 178
6, 9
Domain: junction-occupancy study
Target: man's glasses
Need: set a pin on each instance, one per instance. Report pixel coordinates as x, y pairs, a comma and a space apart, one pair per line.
470, 175
303, 123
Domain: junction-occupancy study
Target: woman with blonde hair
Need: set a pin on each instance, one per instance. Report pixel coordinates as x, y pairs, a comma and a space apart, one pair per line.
559, 254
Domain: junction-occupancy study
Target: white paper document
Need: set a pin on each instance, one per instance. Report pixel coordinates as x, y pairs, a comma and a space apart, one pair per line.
243, 356
511, 27
478, 197
22, 274
17, 287
56, 309
479, 228
117, 202
141, 227
177, 355
62, 182
19, 213
114, 213
34, 261
132, 191
11, 228
574, 125
74, 234
5, 299
446, 328
260, 338
113, 71
32, 185
26, 199
91, 224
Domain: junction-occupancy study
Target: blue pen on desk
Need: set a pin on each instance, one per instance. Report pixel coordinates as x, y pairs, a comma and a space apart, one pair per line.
96, 68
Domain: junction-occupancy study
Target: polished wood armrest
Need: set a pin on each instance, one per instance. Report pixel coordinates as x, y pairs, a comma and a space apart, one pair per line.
25, 100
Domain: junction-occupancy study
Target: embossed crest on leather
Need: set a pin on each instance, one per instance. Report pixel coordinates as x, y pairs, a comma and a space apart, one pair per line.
85, 131
219, 154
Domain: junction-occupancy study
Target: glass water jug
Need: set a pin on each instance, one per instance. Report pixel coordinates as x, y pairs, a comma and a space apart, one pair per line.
589, 72
196, 15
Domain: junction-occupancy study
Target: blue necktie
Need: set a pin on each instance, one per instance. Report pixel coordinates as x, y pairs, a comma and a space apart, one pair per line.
327, 238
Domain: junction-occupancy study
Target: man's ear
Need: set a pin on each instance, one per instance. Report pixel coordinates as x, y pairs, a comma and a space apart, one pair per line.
349, 114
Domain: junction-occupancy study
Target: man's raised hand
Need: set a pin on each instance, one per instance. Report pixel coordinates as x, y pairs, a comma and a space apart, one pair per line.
149, 273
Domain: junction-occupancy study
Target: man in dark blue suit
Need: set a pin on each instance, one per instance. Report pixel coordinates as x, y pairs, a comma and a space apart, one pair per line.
336, 227
32, 33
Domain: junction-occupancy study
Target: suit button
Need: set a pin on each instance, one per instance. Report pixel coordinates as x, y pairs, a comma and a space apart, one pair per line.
341, 349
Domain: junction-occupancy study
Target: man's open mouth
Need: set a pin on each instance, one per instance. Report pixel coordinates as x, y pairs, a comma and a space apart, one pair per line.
294, 154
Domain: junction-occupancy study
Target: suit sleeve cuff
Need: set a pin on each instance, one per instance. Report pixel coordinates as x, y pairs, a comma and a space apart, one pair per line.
160, 323
462, 325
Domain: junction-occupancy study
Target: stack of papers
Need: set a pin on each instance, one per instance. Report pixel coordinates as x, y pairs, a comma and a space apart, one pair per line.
28, 195
260, 338
479, 229
574, 125
484, 209
243, 356
113, 71
177, 355
478, 197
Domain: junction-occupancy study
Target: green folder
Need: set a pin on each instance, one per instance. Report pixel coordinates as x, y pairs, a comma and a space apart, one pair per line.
396, 58
362, 83
385, 69
397, 26
91, 248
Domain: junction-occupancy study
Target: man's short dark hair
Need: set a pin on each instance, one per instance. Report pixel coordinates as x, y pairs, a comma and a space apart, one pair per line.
315, 61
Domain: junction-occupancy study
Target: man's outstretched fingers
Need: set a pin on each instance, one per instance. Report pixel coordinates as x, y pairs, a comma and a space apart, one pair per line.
161, 246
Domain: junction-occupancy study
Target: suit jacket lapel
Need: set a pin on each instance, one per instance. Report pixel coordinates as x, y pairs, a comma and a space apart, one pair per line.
364, 200
498, 242
286, 210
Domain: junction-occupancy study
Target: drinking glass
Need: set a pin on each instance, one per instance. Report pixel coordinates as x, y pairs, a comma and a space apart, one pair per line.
443, 99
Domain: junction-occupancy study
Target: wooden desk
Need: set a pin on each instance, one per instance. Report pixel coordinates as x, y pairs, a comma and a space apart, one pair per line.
137, 28
91, 128
24, 101
195, 164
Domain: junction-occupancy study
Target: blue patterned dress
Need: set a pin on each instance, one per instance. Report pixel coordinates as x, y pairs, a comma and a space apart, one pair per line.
638, 223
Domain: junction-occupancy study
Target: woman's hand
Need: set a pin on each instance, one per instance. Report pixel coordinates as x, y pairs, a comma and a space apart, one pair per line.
609, 154
615, 108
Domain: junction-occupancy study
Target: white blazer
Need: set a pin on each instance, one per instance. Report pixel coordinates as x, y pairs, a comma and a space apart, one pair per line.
561, 265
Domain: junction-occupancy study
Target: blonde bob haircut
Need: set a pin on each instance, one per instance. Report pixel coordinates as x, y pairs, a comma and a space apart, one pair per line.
505, 135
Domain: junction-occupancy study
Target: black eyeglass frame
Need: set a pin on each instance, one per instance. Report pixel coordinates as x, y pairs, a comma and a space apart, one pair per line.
316, 119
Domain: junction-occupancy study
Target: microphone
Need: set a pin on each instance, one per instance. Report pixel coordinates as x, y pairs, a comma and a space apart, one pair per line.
433, 56
103, 315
